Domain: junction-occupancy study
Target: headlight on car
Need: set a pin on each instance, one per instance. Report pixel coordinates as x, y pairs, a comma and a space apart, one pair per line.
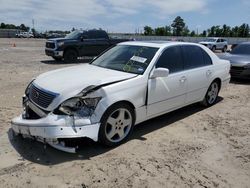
77, 106
60, 44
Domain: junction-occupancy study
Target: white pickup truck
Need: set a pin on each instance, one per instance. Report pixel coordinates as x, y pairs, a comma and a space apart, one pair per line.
215, 44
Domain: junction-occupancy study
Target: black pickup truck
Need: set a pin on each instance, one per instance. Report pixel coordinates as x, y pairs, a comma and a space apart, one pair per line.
78, 44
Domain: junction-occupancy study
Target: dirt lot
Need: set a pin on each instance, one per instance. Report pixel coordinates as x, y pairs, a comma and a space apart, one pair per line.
191, 147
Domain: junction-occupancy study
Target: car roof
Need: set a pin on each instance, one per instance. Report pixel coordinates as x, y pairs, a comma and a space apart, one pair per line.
156, 44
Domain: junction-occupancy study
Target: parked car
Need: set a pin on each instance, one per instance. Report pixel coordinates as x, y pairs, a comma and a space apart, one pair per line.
215, 44
78, 44
130, 83
25, 35
239, 58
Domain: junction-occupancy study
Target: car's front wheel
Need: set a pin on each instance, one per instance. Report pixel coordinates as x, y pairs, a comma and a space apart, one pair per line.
212, 94
57, 58
70, 56
116, 124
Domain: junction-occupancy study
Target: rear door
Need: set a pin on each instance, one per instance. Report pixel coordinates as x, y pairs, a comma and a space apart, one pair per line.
166, 94
101, 42
219, 44
85, 44
199, 71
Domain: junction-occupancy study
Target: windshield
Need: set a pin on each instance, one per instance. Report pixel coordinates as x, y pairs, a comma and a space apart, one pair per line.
243, 49
132, 59
210, 40
73, 35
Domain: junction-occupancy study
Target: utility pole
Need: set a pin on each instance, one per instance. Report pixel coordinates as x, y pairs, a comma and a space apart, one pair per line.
33, 24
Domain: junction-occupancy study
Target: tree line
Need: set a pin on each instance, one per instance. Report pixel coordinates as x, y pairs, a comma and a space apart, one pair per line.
179, 28
12, 26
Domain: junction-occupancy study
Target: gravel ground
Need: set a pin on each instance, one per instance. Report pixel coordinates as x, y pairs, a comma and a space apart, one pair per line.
191, 147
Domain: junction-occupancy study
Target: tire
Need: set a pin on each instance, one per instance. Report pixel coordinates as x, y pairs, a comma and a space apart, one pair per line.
57, 58
211, 96
213, 48
224, 49
116, 125
70, 56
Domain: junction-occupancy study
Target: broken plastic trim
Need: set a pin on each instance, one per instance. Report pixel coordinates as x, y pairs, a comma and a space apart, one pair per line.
61, 146
93, 88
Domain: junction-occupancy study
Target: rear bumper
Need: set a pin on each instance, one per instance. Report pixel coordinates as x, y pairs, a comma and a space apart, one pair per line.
225, 82
56, 126
53, 53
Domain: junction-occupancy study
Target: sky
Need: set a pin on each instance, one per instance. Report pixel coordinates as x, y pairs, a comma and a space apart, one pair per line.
125, 16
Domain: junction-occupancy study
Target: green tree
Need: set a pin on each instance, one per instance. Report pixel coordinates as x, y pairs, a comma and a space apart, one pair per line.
24, 28
168, 30
2, 26
185, 31
192, 34
226, 30
148, 30
160, 31
204, 33
178, 26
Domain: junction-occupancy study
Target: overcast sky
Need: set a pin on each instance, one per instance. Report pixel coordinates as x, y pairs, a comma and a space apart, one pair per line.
123, 15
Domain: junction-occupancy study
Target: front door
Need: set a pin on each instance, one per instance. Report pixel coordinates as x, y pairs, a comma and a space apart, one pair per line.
166, 94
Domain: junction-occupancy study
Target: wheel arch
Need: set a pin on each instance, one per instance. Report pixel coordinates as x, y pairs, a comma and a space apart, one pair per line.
70, 48
130, 104
218, 80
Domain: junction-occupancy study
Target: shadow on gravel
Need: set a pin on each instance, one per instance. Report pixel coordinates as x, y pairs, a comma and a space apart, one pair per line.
240, 81
54, 62
45, 155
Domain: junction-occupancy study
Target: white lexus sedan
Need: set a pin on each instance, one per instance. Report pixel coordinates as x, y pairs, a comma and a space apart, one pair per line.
130, 83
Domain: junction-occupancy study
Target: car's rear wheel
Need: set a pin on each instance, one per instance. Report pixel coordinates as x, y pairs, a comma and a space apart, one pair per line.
213, 48
70, 56
116, 124
212, 94
224, 49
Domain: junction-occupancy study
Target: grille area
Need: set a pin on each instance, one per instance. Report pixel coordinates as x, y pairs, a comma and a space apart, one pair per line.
236, 71
41, 97
50, 45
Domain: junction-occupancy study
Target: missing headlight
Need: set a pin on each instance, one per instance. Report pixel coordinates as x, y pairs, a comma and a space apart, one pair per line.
82, 107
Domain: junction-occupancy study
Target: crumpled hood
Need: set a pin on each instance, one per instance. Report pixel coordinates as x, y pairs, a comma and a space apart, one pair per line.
236, 60
72, 80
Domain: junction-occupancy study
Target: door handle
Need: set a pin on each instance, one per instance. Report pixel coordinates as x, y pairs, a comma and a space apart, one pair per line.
183, 79
209, 73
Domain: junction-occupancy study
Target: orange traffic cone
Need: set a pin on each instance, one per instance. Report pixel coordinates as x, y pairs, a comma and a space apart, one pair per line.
14, 45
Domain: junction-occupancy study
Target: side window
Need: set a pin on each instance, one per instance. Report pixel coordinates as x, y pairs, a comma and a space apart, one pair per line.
171, 59
193, 57
92, 34
99, 34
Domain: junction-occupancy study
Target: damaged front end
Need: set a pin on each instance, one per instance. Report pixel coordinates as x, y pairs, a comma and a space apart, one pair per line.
71, 119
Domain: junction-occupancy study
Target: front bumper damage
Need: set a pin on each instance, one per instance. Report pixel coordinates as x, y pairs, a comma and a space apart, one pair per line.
52, 128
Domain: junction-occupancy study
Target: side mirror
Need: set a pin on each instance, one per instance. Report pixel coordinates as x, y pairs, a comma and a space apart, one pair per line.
159, 72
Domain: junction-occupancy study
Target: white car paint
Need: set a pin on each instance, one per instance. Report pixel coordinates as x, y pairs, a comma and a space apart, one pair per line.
150, 97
